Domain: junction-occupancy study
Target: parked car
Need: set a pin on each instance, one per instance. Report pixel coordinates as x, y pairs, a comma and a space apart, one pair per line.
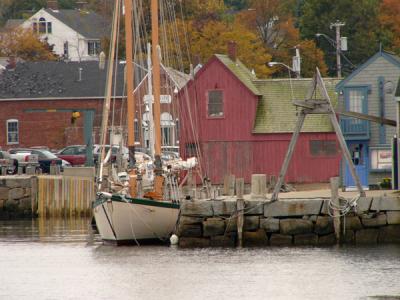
114, 152
75, 154
45, 158
6, 161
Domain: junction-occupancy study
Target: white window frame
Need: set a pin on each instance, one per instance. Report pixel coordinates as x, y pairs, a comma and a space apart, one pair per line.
96, 47
8, 140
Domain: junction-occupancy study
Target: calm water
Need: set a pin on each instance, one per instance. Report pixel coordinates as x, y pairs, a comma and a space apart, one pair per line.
61, 260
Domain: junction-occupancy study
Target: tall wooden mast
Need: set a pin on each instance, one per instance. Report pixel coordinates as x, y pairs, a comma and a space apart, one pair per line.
156, 86
129, 93
129, 74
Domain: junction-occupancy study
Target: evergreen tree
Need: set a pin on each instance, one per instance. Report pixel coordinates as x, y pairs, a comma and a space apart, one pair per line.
361, 29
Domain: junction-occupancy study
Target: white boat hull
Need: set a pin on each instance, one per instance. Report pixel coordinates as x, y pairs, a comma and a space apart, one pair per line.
135, 221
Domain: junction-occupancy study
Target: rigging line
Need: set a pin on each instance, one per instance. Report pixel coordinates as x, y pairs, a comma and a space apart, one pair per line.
106, 106
194, 130
185, 33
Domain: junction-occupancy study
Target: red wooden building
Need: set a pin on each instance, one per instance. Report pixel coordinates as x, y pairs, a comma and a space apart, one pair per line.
243, 125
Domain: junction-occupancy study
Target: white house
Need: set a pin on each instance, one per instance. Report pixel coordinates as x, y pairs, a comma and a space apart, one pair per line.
75, 34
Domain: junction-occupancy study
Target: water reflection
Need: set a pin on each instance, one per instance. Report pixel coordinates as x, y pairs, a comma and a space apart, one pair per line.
47, 230
60, 259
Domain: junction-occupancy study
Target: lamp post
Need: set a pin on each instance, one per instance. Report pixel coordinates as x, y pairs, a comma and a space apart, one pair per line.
275, 63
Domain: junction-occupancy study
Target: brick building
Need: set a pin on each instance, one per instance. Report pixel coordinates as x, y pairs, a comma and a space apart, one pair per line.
69, 85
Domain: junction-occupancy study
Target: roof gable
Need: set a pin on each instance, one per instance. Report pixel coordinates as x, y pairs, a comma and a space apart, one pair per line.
238, 69
386, 55
87, 23
276, 112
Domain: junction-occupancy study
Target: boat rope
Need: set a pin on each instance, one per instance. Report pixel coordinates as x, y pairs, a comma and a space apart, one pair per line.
131, 206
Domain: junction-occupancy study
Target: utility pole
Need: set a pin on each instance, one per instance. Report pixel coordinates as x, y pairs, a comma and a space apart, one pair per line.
337, 25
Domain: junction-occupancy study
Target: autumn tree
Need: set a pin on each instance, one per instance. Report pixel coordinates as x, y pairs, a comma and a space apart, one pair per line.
25, 44
214, 36
389, 22
274, 23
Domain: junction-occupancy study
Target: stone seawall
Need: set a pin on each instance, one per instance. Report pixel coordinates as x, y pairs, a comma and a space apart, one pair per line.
18, 197
213, 223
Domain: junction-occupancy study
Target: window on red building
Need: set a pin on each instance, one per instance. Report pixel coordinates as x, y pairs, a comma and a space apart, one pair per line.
215, 103
323, 148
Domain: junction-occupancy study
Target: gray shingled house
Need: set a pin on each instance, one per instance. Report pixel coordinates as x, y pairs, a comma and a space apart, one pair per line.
370, 89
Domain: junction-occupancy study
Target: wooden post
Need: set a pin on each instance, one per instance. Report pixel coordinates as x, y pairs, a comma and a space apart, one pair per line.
288, 156
339, 134
335, 200
229, 185
240, 208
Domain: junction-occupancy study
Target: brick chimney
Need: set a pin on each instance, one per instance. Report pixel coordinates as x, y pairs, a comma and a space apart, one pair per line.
52, 4
232, 49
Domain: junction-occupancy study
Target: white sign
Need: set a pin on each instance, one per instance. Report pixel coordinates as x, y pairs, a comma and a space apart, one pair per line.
381, 159
164, 99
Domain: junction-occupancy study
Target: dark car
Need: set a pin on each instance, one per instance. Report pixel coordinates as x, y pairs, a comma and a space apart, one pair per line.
45, 158
75, 155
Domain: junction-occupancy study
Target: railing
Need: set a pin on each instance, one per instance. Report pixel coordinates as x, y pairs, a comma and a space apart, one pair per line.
354, 127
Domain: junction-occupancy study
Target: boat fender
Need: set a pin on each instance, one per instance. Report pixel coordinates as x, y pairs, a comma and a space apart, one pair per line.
174, 240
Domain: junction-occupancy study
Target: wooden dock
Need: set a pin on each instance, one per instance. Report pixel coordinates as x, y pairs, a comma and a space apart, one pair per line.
61, 196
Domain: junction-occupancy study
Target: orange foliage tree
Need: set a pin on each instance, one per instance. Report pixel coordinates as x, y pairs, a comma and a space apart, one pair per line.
389, 21
274, 24
25, 44
214, 37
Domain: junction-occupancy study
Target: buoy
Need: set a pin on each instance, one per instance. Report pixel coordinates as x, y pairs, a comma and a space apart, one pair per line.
174, 239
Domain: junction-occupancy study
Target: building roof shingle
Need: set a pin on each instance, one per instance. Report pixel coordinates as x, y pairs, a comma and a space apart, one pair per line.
56, 79
277, 114
87, 23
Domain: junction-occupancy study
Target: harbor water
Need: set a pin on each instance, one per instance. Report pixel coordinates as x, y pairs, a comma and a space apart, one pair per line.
63, 259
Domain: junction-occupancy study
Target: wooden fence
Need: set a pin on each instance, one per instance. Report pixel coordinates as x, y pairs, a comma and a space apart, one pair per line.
60, 196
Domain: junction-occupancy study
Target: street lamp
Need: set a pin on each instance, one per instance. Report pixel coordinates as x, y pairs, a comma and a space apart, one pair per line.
275, 63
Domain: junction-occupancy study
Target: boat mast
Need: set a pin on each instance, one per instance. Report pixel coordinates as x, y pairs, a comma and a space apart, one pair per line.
150, 102
107, 100
158, 182
130, 95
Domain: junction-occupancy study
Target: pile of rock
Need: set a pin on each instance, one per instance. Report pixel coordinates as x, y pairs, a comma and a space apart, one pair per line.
287, 222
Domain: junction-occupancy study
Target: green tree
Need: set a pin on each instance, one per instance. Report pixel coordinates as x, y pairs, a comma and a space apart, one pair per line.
16, 9
360, 17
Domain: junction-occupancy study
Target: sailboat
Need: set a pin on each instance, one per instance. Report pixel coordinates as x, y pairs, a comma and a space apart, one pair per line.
124, 214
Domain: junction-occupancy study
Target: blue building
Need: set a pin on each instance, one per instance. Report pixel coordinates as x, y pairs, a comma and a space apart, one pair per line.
370, 89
